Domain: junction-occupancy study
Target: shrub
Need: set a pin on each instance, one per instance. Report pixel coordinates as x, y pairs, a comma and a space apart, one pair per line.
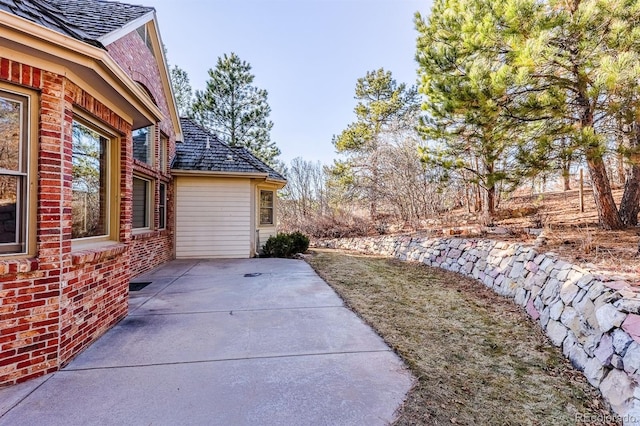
299, 242
286, 245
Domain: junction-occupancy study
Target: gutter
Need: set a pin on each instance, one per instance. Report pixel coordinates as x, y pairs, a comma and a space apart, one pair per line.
213, 173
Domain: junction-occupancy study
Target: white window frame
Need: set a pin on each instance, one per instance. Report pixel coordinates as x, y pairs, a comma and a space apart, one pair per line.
25, 175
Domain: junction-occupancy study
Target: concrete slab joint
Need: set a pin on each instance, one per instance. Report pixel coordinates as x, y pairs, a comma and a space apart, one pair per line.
595, 319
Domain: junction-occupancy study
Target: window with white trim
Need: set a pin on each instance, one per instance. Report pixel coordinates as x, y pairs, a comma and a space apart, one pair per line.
266, 207
91, 182
14, 172
142, 202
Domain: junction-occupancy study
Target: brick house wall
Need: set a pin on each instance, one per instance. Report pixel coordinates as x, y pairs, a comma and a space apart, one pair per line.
54, 304
152, 248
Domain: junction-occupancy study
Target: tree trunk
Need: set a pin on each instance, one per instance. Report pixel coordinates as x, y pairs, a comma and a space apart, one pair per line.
630, 204
607, 211
621, 173
467, 197
478, 206
601, 186
565, 162
491, 201
566, 174
489, 210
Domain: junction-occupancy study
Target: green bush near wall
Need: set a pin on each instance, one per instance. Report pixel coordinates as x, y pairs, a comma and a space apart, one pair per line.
286, 245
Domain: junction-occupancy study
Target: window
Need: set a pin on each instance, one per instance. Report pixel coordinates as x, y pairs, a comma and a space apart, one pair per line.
141, 203
266, 207
143, 144
90, 204
162, 206
164, 144
14, 172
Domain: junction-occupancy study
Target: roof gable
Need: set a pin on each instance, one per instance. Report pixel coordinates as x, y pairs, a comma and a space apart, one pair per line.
99, 18
96, 23
203, 151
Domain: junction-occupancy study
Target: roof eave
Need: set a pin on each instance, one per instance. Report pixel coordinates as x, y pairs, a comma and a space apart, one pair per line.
214, 173
280, 183
166, 79
126, 29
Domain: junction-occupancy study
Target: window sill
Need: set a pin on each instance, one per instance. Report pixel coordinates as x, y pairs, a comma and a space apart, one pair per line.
146, 168
97, 252
145, 234
18, 266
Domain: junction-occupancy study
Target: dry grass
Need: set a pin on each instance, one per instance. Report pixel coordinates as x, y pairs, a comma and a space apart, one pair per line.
572, 234
576, 236
479, 360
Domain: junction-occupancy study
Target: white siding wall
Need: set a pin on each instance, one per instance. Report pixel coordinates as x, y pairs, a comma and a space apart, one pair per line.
213, 217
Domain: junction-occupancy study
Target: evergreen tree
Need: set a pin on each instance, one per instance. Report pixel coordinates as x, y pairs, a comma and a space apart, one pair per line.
384, 107
464, 63
581, 62
236, 110
182, 90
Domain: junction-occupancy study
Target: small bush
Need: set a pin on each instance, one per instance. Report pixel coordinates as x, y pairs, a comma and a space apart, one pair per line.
286, 245
299, 242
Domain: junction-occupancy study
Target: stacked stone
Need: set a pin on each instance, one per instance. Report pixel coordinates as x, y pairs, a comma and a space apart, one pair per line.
595, 319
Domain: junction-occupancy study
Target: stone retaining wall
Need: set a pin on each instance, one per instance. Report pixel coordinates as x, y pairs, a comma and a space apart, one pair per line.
595, 319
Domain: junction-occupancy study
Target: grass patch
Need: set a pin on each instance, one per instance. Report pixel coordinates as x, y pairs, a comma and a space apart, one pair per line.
477, 357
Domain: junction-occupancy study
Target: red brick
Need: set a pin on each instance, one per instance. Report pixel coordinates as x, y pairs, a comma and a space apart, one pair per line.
26, 75
13, 360
15, 72
4, 69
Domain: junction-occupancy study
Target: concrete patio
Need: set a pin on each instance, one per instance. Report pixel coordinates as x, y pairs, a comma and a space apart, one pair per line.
206, 345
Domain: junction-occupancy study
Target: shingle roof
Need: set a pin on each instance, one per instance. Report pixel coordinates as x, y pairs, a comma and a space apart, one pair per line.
193, 154
84, 20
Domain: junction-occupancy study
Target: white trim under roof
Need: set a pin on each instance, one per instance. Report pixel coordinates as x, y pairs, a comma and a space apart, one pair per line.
126, 29
165, 75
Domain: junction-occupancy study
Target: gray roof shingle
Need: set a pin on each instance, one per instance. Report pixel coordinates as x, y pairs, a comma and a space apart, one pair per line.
193, 154
84, 20
99, 17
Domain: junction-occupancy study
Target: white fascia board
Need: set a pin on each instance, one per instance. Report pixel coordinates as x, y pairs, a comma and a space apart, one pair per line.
126, 29
210, 173
165, 75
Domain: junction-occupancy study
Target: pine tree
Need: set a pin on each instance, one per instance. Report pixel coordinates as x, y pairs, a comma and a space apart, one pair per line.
466, 76
384, 106
581, 62
182, 90
236, 110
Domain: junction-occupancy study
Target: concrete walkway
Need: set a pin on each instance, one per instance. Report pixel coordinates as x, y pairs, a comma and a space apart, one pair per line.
206, 345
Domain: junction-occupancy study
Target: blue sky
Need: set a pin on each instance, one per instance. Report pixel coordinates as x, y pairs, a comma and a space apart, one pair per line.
307, 54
